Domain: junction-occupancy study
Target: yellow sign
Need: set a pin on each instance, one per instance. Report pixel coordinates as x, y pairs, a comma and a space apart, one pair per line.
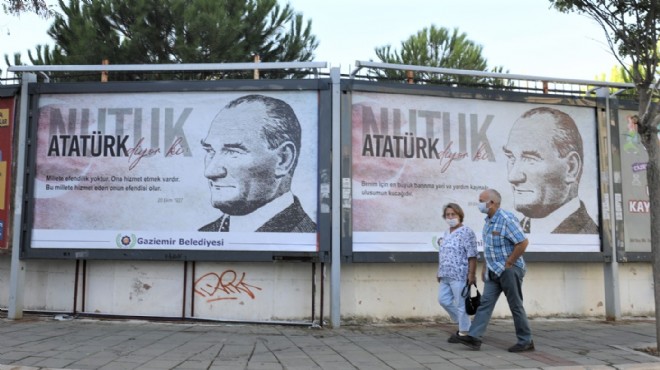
3, 180
4, 117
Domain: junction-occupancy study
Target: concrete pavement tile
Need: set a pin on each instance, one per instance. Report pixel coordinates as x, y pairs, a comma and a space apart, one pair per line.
589, 361
369, 366
14, 355
194, 365
532, 364
304, 367
644, 366
404, 365
131, 359
121, 362
328, 358
177, 356
29, 361
263, 366
11, 367
209, 353
431, 359
443, 366
90, 363
298, 364
159, 364
54, 362
120, 366
547, 358
70, 355
335, 366
639, 358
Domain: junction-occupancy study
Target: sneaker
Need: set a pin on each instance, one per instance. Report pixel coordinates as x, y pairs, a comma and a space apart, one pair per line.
522, 347
470, 341
452, 338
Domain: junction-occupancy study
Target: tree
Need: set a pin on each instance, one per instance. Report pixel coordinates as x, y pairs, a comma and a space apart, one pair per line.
17, 7
436, 47
632, 29
176, 31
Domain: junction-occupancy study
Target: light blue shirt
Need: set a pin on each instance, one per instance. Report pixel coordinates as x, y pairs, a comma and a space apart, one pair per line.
501, 233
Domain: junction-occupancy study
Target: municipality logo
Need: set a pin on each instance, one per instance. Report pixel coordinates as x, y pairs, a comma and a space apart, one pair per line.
125, 241
436, 242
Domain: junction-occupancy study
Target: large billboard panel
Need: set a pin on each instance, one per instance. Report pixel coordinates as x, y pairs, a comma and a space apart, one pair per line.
175, 170
6, 148
412, 154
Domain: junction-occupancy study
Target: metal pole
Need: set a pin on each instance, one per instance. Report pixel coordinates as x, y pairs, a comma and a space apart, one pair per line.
335, 265
17, 269
465, 72
169, 67
611, 268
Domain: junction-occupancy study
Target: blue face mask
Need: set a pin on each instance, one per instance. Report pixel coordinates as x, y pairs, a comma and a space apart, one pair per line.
483, 207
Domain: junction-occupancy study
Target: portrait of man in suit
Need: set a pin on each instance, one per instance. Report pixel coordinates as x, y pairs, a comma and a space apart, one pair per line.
252, 149
544, 164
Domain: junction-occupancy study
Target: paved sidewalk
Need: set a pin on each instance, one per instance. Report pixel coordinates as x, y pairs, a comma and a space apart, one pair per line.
39, 342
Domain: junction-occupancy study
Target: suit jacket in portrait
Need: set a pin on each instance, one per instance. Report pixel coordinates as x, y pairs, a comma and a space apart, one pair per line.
579, 222
292, 219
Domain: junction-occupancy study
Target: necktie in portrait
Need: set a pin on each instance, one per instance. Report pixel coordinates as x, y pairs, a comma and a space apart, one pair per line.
525, 224
225, 224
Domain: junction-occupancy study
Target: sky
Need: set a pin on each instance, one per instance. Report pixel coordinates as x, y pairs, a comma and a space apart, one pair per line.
525, 37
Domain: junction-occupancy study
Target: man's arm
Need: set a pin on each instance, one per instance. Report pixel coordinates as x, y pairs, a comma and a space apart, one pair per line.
518, 251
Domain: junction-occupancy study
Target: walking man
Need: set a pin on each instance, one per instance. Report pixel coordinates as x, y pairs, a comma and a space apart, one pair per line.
503, 272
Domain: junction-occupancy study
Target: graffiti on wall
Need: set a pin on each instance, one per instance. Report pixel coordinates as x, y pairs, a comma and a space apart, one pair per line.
224, 286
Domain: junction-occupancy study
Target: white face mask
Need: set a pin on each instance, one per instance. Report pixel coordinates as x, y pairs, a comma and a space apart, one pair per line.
452, 222
483, 207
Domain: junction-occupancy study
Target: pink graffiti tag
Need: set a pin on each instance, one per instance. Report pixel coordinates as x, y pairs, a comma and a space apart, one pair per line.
216, 287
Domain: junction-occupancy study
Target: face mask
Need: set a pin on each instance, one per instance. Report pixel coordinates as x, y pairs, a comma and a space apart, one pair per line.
452, 222
483, 207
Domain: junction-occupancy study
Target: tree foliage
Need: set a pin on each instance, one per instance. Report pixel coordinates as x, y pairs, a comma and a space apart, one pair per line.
16, 7
176, 31
436, 47
632, 29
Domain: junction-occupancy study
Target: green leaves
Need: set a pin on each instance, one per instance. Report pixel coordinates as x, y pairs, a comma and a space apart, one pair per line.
177, 31
435, 47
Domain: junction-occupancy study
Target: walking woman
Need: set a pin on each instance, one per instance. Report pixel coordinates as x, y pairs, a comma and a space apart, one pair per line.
457, 266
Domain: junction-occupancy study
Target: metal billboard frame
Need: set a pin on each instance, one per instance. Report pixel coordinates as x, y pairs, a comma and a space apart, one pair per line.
355, 85
321, 86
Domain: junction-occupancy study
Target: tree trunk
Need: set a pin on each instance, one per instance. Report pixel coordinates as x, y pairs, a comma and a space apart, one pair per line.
652, 144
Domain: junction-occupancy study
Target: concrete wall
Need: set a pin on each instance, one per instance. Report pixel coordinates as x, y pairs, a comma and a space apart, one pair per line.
282, 291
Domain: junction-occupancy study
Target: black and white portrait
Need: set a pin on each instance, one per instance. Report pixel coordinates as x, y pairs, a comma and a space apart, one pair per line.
545, 164
252, 149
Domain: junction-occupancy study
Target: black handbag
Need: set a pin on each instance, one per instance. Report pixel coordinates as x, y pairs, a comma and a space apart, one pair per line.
471, 303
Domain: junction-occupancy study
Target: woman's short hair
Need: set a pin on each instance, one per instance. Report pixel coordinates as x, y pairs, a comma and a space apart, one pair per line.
456, 208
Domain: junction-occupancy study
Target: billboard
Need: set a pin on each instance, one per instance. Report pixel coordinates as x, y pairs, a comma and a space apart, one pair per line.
6, 148
635, 193
179, 171
412, 154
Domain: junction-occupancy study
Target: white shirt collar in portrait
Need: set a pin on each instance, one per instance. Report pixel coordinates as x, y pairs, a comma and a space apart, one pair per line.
256, 219
547, 224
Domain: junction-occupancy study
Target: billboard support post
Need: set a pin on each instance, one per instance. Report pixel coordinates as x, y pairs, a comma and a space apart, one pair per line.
611, 266
17, 269
335, 266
